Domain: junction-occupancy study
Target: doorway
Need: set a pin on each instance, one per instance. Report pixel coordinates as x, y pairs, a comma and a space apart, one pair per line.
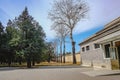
117, 44
115, 55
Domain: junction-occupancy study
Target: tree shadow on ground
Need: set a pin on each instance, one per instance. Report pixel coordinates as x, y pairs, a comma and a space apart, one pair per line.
8, 68
59, 67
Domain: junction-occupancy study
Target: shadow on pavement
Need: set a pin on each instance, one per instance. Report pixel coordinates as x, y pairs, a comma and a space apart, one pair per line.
40, 67
58, 67
111, 74
8, 68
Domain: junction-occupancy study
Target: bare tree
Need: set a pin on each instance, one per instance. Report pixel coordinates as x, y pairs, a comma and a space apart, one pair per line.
50, 48
62, 32
69, 13
55, 45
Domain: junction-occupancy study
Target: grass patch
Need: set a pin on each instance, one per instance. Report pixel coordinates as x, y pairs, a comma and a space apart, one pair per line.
24, 65
56, 64
13, 65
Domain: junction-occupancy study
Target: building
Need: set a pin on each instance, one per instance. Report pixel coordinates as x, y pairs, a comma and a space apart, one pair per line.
102, 50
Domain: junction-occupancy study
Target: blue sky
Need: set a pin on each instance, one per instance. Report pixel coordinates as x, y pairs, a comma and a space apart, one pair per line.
101, 12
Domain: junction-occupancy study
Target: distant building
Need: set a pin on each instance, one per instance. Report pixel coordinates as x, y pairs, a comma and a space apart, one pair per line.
102, 50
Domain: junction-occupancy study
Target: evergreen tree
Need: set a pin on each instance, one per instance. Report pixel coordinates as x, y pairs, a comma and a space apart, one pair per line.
9, 49
1, 32
32, 37
23, 40
1, 42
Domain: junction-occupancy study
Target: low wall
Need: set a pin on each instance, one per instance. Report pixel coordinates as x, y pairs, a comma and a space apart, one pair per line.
69, 58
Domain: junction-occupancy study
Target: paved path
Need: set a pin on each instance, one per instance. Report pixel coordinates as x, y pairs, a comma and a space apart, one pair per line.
54, 73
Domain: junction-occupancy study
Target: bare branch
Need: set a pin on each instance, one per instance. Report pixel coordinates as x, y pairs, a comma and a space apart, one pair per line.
65, 14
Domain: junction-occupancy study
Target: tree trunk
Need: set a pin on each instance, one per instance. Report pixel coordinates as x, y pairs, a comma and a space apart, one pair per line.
73, 47
9, 59
49, 57
28, 63
20, 60
9, 63
64, 51
57, 55
73, 50
61, 51
33, 62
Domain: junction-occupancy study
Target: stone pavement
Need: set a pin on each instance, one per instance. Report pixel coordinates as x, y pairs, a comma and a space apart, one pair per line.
95, 73
57, 73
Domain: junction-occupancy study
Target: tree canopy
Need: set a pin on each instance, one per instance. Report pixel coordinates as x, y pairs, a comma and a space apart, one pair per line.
22, 40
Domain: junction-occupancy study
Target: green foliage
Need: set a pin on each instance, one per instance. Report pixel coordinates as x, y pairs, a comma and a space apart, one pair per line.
23, 39
1, 33
49, 52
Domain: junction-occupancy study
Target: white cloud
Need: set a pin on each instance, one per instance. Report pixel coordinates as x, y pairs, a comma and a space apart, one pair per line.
101, 12
39, 11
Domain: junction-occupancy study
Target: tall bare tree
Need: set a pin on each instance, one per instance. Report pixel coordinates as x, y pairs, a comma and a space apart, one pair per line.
62, 32
55, 45
69, 13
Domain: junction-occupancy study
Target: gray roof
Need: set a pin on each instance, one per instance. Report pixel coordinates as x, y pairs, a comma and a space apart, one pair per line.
109, 28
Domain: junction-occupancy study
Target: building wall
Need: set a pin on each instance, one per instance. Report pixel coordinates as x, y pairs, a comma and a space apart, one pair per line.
95, 57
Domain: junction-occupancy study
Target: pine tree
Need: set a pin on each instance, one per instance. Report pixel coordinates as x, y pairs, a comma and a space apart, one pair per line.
1, 32
32, 37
